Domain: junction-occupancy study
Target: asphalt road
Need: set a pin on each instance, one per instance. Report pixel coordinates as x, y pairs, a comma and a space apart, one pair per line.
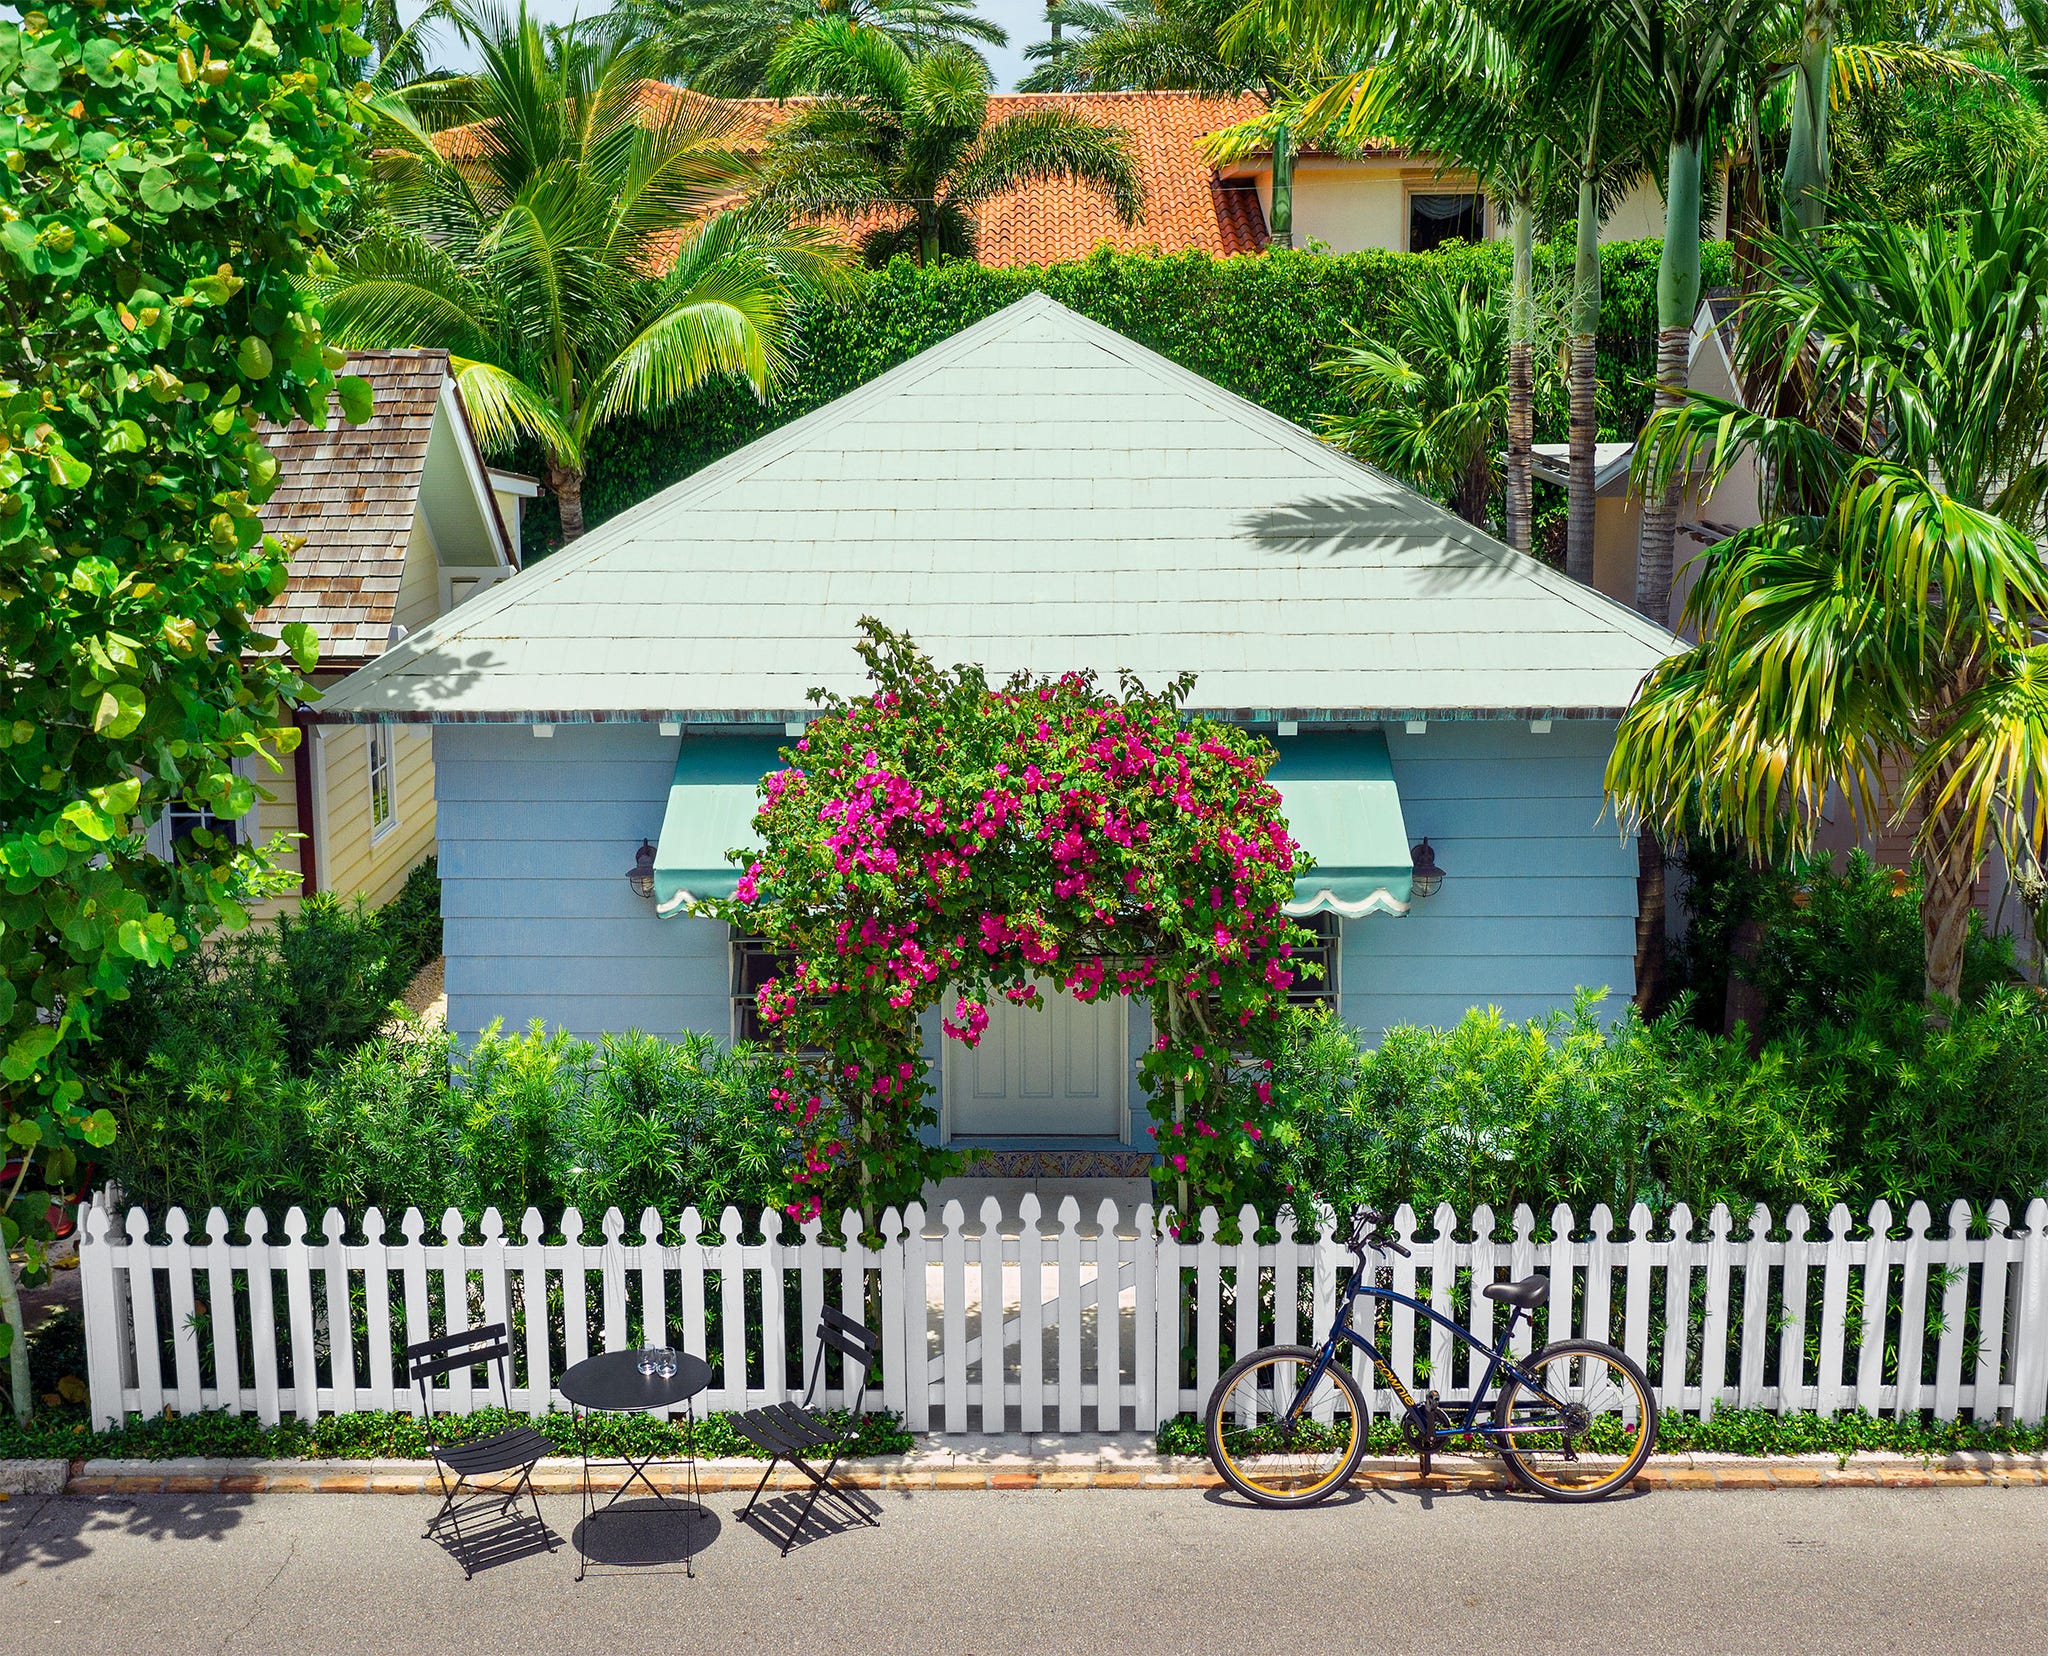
977, 1574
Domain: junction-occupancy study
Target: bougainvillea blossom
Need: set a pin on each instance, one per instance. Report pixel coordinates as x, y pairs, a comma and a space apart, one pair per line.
942, 841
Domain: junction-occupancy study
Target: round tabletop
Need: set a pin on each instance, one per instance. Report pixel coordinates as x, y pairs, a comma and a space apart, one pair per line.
613, 1381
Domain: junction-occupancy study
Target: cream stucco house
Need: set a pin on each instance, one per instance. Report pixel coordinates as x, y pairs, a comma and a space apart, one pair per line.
401, 520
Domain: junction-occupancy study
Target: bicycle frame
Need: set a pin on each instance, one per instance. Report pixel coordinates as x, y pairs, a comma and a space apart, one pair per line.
1498, 1363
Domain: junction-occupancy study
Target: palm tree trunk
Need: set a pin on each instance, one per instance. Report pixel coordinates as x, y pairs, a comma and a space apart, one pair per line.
1521, 376
1585, 380
1947, 893
567, 484
1281, 231
1806, 155
1678, 297
19, 1393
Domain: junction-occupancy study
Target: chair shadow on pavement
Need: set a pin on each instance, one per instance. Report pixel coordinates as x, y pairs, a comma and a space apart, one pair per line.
646, 1534
499, 1538
45, 1532
774, 1516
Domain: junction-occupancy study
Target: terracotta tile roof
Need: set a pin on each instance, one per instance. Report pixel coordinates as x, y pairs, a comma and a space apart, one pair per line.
1186, 205
352, 492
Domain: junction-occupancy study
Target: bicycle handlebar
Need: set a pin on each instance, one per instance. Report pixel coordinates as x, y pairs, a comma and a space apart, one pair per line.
1362, 1237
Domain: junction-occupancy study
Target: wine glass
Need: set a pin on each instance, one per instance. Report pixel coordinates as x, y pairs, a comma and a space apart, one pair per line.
665, 1362
650, 1361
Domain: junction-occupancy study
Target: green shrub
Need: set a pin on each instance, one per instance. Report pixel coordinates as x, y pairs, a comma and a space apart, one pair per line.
1823, 943
1254, 325
1556, 1109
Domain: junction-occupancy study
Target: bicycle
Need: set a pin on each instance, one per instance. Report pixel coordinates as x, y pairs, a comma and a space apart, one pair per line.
1287, 1425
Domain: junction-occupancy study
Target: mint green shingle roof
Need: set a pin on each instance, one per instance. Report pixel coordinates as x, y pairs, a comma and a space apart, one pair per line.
1035, 492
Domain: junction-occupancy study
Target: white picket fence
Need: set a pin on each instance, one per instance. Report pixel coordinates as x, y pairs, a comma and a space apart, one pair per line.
1055, 1323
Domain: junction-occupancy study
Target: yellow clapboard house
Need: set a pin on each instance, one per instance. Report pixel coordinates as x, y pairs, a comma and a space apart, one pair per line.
401, 521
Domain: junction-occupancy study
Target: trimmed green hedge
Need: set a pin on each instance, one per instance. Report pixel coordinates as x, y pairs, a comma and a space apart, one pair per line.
1256, 325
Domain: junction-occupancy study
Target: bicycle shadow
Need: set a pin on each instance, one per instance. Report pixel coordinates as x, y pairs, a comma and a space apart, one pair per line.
1425, 1494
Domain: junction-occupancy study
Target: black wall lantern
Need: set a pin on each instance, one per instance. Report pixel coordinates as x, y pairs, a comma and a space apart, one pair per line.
641, 876
1429, 878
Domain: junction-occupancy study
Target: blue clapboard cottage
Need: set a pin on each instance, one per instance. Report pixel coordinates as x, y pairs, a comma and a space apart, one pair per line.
1037, 492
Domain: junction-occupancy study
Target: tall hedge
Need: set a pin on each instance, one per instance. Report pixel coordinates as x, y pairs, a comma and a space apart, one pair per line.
1254, 324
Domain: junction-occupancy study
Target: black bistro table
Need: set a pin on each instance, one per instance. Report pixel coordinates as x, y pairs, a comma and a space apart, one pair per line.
612, 1383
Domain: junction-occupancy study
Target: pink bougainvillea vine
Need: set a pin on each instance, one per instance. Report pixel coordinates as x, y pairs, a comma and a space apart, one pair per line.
942, 842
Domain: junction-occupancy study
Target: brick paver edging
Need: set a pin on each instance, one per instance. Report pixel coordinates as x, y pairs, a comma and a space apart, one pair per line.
940, 1471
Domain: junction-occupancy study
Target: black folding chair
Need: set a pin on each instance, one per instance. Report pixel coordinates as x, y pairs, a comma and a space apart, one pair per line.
797, 1432
465, 1460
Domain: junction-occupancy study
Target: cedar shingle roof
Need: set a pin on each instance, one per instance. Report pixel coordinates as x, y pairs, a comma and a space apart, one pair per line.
353, 492
1187, 207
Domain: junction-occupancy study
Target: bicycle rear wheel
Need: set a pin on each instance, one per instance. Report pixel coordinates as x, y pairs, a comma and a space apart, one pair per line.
1599, 1404
1274, 1452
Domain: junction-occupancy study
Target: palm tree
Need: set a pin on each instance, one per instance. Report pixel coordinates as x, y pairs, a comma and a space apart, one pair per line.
1188, 46
909, 140
1886, 617
1526, 99
533, 245
1699, 57
723, 47
1432, 399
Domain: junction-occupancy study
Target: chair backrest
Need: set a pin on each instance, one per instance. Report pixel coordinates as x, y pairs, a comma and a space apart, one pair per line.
430, 1359
856, 1342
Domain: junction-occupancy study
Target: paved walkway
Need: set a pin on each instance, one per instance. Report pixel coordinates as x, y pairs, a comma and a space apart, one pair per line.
1910, 1571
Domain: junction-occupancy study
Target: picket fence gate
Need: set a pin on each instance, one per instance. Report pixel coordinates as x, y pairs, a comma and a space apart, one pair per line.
1050, 1324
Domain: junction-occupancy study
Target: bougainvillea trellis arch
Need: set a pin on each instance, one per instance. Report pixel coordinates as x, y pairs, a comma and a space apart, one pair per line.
943, 841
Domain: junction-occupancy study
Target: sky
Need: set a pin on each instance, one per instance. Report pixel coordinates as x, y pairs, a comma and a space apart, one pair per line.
1025, 20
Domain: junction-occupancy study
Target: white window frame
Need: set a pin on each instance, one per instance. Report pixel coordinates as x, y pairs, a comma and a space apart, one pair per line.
161, 842
382, 744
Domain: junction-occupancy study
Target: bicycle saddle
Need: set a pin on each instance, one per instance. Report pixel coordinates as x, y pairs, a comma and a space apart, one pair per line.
1532, 1293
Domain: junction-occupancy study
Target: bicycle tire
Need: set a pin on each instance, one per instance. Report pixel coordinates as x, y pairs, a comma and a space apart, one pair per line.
1540, 1469
1240, 1474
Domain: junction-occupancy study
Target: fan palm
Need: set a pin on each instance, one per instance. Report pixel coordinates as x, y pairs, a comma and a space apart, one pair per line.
909, 140
723, 47
1885, 618
568, 249
1431, 399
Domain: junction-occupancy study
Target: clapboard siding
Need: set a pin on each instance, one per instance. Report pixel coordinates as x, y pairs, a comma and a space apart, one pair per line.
536, 836
1539, 895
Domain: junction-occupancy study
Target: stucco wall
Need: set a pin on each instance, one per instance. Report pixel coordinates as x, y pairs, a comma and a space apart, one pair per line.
536, 836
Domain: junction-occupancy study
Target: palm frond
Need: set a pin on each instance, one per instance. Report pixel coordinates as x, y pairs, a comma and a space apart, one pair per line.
1050, 143
1989, 762
505, 410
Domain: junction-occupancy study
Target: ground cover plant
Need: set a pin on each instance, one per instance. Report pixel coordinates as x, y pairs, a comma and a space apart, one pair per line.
392, 1435
1738, 1432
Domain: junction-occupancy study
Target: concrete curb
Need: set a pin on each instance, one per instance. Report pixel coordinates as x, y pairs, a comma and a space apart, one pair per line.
33, 1477
933, 1471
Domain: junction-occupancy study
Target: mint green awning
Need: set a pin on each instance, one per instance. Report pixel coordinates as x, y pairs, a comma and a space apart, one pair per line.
1339, 798
711, 805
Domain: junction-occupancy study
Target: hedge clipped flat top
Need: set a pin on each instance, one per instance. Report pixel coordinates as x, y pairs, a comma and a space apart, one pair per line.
1035, 493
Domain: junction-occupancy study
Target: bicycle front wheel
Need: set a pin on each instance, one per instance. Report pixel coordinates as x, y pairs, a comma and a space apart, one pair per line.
1275, 1444
1594, 1403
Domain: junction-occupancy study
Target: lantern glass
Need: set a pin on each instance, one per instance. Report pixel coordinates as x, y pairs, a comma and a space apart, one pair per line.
641, 875
1429, 878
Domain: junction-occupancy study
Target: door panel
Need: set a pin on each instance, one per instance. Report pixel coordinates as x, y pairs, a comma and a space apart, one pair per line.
1059, 1070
